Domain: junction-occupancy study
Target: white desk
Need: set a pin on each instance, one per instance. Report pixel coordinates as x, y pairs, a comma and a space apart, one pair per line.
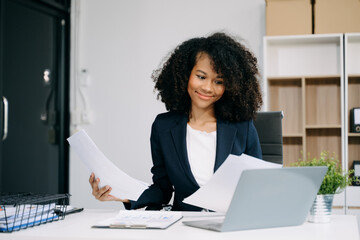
78, 226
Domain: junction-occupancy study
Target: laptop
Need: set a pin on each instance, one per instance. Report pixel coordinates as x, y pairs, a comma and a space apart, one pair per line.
266, 198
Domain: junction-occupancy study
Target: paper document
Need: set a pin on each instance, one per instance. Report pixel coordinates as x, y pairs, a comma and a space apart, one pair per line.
24, 216
217, 193
123, 186
141, 219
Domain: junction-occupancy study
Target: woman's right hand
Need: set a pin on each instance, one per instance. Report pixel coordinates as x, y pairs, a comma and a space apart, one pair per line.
103, 194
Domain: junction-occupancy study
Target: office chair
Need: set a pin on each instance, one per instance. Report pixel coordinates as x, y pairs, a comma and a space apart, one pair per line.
269, 129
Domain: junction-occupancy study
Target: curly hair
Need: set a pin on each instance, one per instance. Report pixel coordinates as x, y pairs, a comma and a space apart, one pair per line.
238, 67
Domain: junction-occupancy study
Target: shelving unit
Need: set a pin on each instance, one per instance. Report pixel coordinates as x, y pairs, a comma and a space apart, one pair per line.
352, 91
315, 80
352, 99
304, 78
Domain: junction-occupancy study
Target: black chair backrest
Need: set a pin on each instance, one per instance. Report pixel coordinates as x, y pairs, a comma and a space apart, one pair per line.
269, 129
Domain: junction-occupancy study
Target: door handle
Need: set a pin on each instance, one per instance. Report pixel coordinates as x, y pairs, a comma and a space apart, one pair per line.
6, 111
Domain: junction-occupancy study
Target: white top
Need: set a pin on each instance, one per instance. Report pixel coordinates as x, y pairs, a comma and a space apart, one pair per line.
201, 150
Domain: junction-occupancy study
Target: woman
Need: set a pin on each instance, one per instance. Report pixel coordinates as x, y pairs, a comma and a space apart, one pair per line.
211, 91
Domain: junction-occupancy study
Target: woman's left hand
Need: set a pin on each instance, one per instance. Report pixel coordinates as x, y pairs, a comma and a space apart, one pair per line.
102, 194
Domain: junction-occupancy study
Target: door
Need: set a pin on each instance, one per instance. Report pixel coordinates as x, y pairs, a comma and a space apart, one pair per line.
34, 83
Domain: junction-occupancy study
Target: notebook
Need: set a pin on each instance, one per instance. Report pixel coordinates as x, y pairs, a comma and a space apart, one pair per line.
266, 198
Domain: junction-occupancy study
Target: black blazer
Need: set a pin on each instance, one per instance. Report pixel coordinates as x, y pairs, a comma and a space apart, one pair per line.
171, 170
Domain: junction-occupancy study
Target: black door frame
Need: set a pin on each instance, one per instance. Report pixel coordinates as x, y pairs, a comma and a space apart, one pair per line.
61, 10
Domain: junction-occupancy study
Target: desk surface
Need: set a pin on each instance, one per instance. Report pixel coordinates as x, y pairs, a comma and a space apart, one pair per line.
78, 226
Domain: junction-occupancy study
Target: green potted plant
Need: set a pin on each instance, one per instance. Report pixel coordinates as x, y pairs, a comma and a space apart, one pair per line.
335, 181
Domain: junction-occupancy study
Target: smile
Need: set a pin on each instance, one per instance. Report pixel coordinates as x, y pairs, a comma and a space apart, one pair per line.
204, 97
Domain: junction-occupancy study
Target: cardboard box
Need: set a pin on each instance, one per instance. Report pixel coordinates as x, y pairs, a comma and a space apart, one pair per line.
337, 16
288, 17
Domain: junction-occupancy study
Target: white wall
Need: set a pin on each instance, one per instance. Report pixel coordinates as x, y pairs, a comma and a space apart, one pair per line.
120, 43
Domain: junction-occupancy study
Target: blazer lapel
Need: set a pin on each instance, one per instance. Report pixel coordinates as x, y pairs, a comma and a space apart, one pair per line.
225, 139
179, 138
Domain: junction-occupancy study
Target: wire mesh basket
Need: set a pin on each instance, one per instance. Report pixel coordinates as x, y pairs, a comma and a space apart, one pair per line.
23, 210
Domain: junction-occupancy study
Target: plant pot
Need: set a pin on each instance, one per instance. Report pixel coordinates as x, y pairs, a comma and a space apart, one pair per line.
320, 211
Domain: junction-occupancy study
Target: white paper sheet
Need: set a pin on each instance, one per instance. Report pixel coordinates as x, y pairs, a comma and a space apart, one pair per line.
123, 186
217, 193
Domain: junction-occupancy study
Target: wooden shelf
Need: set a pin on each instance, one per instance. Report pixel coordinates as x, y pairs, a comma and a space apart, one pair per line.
283, 78
354, 75
290, 135
354, 135
324, 126
315, 77
323, 77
